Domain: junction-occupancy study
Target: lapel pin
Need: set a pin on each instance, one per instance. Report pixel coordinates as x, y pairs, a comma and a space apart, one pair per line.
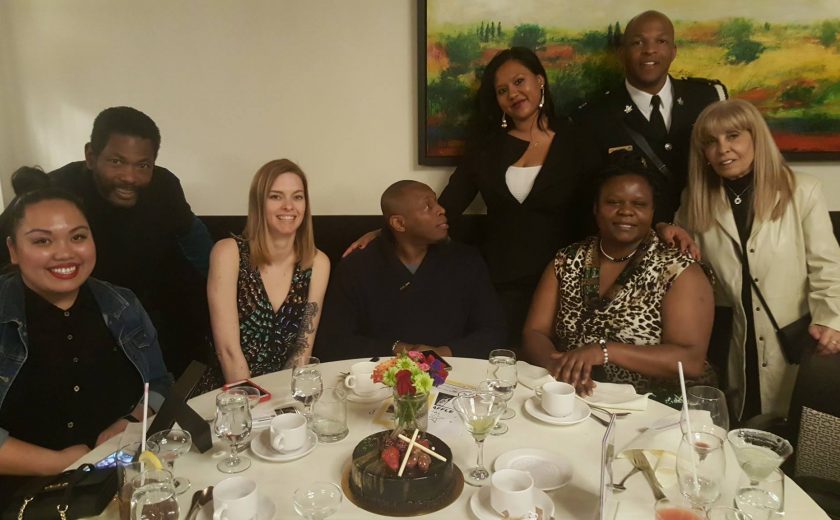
679, 101
627, 109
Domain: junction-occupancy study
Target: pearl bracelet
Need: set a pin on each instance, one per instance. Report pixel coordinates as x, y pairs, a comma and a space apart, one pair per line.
603, 343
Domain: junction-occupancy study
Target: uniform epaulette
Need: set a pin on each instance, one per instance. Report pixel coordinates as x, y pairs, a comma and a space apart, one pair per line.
723, 93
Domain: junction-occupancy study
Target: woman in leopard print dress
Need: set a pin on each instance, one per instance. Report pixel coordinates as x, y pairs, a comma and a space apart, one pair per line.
621, 301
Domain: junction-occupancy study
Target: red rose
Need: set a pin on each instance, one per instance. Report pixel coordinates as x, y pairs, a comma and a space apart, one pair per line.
404, 384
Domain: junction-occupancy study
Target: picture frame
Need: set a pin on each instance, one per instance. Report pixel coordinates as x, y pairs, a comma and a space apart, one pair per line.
785, 61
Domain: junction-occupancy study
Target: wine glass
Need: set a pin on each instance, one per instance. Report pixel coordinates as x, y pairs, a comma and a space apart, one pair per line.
759, 454
701, 464
670, 509
233, 422
503, 391
169, 445
708, 411
307, 385
153, 497
480, 411
727, 513
503, 367
317, 500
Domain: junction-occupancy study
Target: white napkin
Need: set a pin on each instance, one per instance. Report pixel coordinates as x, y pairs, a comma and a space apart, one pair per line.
659, 443
617, 397
532, 376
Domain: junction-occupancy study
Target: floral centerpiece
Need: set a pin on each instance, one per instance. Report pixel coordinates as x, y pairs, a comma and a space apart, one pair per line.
412, 375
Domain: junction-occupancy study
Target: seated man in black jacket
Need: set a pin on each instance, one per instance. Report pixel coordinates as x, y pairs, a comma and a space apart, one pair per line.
412, 290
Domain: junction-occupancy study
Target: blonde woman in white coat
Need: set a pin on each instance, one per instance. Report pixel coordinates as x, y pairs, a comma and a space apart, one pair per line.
741, 195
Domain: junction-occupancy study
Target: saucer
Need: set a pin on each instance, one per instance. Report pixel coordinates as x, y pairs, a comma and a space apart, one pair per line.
380, 394
481, 508
265, 509
261, 446
548, 469
580, 412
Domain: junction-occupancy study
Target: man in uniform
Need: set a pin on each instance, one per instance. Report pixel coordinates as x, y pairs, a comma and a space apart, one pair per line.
651, 113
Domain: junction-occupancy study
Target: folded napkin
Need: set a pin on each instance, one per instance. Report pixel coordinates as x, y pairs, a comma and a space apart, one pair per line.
617, 397
659, 444
532, 376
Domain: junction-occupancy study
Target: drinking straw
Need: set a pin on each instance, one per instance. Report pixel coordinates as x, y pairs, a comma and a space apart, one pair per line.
146, 414
687, 421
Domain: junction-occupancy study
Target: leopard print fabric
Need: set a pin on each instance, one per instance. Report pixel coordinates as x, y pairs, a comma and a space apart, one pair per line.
630, 312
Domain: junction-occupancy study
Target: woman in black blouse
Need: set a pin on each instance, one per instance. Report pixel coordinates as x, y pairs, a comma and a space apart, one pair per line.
527, 165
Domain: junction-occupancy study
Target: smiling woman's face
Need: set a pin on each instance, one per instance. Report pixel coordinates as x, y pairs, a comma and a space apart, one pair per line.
624, 210
54, 250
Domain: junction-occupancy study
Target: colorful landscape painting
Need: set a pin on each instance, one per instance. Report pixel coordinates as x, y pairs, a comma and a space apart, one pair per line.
782, 56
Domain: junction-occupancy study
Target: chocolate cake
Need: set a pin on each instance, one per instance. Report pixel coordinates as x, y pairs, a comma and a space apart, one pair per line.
377, 486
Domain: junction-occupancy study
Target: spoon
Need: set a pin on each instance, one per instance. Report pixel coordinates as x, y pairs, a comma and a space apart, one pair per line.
200, 497
620, 485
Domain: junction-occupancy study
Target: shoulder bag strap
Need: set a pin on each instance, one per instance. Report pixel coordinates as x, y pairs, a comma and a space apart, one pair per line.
742, 255
642, 143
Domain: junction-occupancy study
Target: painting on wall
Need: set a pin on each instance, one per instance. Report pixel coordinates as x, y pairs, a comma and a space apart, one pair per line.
783, 59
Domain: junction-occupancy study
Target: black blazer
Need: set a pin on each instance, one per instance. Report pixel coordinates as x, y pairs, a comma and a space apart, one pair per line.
601, 120
520, 239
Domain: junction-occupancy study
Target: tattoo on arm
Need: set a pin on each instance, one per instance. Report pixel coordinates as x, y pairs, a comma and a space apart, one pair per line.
310, 310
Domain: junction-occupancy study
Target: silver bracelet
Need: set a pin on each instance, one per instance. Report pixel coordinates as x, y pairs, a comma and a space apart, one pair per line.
603, 343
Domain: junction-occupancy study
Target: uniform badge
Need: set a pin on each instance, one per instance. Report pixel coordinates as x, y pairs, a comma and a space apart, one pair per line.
628, 109
680, 101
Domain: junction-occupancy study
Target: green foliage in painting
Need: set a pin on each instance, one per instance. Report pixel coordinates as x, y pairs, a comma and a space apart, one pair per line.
828, 33
528, 35
462, 49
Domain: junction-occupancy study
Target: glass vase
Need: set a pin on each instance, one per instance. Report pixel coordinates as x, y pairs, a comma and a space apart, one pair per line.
411, 411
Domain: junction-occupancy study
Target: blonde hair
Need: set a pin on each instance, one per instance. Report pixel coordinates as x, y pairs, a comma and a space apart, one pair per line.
774, 181
256, 227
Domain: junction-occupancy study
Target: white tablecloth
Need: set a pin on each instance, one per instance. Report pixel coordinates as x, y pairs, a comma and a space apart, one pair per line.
580, 443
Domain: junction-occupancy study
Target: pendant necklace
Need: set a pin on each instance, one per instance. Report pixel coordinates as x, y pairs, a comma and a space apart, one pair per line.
738, 200
614, 259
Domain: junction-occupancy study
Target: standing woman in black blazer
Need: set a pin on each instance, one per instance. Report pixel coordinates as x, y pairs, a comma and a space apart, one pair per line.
527, 165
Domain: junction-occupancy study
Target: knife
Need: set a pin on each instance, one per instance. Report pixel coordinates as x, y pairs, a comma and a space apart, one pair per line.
640, 461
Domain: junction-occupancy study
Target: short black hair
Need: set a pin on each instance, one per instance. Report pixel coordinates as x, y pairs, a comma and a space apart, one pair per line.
124, 121
31, 186
628, 163
391, 201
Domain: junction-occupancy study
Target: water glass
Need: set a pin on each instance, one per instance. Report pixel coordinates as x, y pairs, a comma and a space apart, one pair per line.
503, 391
171, 444
329, 415
153, 497
503, 367
701, 464
233, 423
764, 500
307, 385
128, 465
317, 500
727, 513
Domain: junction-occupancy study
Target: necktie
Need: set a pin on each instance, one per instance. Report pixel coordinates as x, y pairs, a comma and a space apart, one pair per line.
657, 123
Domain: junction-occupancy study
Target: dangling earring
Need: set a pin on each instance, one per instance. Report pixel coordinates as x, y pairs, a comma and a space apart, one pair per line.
504, 121
542, 95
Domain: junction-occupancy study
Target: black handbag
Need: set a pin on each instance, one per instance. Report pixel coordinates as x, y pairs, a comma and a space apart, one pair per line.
81, 492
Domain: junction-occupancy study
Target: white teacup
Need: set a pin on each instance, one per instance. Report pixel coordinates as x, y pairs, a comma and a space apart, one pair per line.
512, 490
359, 378
558, 398
288, 432
235, 498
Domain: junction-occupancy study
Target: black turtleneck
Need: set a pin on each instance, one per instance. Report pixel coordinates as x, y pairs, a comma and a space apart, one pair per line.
742, 190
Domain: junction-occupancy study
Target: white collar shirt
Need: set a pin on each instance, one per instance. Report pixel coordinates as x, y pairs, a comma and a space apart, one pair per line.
642, 100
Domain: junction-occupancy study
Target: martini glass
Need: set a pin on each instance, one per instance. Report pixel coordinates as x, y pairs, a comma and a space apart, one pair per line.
759, 454
171, 444
480, 412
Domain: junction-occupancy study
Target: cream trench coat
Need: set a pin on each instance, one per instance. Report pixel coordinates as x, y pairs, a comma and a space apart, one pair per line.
795, 261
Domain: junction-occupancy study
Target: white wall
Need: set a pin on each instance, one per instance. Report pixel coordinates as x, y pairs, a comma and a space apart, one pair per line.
328, 83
